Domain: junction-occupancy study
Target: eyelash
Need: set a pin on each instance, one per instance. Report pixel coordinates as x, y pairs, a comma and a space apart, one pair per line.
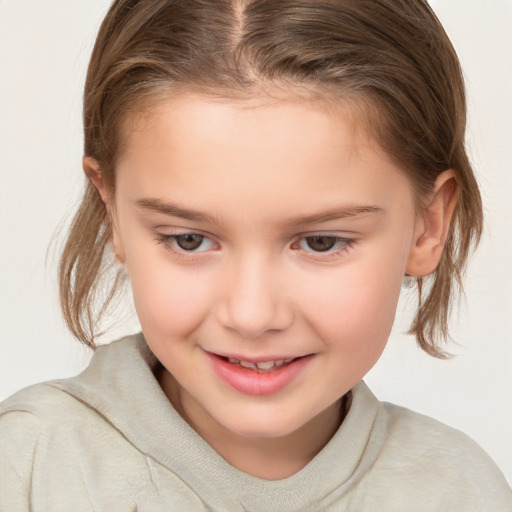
169, 243
343, 245
340, 245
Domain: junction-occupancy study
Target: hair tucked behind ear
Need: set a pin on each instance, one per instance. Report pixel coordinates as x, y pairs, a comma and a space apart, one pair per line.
390, 58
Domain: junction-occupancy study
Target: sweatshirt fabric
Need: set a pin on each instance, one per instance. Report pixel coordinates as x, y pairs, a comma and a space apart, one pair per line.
110, 440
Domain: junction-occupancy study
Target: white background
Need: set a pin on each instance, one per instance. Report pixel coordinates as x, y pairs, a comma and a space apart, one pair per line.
44, 48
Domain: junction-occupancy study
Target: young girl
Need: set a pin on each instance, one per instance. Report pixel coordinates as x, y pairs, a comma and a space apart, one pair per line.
266, 173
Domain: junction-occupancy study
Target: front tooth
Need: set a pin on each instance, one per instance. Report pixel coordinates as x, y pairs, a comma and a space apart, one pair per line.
247, 364
279, 362
265, 366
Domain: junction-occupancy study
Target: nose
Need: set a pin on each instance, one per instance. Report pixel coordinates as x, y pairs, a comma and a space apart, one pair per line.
255, 300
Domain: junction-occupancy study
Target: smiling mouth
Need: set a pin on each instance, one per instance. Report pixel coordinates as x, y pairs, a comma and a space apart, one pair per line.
263, 377
260, 367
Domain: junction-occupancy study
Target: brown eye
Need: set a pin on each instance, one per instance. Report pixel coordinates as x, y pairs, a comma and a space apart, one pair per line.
321, 243
184, 243
189, 242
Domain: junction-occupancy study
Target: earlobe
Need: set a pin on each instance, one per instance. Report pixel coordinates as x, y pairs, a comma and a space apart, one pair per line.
93, 172
433, 226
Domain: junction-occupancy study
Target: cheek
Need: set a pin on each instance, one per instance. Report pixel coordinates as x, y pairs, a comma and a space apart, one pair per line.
355, 309
168, 301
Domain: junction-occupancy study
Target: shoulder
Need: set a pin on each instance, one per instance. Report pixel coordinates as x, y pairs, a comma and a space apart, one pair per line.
50, 438
46, 418
38, 402
425, 437
23, 420
31, 413
439, 460
20, 427
69, 400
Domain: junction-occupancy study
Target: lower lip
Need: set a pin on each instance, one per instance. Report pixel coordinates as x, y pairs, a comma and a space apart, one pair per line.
251, 382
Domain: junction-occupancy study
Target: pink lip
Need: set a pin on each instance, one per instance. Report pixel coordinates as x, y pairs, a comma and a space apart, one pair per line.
253, 383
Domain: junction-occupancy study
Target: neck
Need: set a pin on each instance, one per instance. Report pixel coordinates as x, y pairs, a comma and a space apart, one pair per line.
275, 458
270, 458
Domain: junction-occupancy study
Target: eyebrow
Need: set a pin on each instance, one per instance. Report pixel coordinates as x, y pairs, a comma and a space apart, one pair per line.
174, 210
159, 206
335, 213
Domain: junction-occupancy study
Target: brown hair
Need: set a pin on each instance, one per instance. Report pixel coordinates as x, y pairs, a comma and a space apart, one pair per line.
391, 57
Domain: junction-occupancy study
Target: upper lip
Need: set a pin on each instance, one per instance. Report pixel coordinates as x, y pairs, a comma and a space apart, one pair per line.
255, 359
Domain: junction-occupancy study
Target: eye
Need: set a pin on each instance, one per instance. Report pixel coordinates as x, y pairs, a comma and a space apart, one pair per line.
186, 242
320, 243
325, 244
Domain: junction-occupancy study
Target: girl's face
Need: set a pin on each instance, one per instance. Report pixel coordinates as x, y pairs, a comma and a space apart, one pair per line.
271, 233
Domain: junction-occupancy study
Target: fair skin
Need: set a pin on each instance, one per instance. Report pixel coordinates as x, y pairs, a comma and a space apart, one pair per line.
300, 230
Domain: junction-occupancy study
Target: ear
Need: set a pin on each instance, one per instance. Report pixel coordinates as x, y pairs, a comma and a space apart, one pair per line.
93, 172
432, 226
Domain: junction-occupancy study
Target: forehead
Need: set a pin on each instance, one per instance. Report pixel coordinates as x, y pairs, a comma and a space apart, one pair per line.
359, 112
282, 151
267, 119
